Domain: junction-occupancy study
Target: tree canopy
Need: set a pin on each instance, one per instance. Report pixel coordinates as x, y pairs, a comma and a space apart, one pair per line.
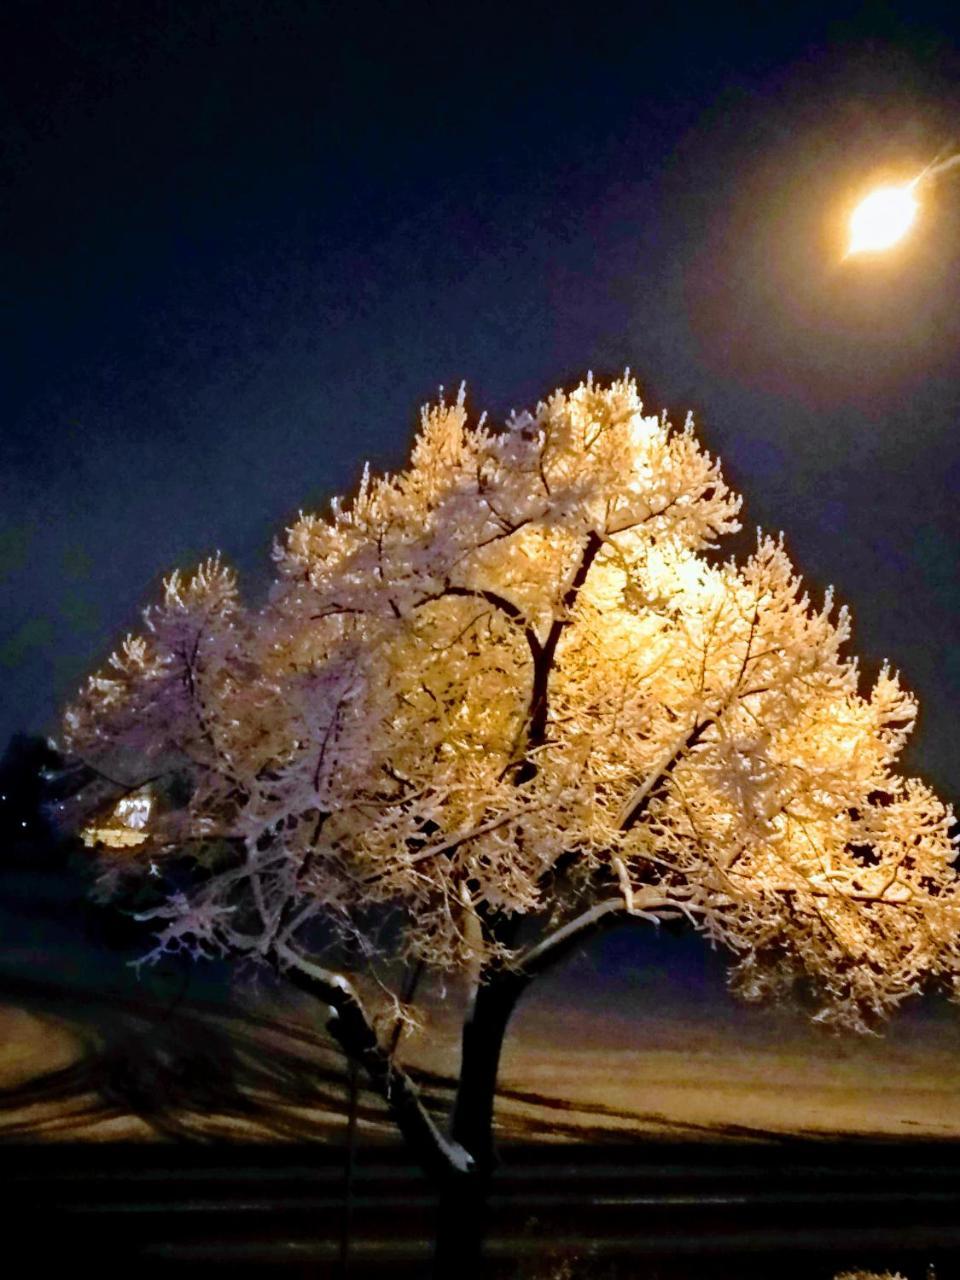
512, 689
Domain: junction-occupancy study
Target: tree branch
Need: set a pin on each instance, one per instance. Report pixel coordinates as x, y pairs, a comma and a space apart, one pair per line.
199, 710
351, 1028
543, 661
603, 914
454, 842
637, 804
635, 807
559, 943
499, 602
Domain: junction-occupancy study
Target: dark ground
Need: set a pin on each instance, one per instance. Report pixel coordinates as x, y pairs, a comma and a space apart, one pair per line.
232, 1119
658, 1211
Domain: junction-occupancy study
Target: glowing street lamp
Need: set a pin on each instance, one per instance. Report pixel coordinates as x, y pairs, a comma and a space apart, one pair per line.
883, 218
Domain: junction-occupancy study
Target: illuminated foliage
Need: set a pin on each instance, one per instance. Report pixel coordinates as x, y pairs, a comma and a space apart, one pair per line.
513, 680
492, 704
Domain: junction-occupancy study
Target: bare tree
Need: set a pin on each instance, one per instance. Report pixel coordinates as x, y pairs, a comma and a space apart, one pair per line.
498, 701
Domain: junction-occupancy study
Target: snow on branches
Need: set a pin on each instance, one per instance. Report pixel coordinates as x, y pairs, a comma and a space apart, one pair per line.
513, 681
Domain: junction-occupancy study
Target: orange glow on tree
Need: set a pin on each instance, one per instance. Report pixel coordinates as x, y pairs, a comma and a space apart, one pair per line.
512, 684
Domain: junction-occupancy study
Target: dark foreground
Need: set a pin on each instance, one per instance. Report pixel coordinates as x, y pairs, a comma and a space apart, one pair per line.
657, 1211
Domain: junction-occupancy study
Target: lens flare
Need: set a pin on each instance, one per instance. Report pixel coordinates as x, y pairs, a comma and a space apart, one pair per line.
882, 219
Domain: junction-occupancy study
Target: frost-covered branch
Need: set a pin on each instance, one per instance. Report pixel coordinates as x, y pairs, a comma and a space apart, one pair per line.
511, 673
352, 1028
649, 906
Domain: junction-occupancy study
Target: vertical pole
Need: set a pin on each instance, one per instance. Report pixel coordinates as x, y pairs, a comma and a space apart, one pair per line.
346, 1225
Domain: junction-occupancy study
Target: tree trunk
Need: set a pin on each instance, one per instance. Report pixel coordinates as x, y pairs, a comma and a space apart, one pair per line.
464, 1198
461, 1227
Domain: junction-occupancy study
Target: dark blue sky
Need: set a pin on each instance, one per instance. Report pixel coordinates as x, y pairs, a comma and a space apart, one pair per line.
243, 243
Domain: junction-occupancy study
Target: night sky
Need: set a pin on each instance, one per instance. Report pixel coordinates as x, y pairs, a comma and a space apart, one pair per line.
243, 243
